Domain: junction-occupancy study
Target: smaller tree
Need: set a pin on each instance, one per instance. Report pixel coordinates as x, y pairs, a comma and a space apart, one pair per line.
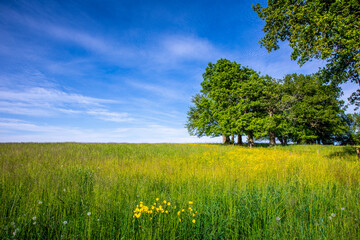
312, 108
351, 133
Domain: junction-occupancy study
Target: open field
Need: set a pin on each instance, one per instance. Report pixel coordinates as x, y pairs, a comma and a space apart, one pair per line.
106, 191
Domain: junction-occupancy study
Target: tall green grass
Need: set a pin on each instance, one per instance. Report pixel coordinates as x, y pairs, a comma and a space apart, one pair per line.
90, 191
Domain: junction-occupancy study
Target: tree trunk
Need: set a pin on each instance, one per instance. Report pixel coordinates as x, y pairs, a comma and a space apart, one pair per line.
281, 139
285, 140
250, 139
232, 140
272, 138
240, 142
226, 139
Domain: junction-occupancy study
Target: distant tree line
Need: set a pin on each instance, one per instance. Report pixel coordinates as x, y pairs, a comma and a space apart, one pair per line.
236, 101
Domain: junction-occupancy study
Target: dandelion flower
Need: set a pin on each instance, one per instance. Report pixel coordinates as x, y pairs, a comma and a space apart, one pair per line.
333, 215
64, 222
157, 199
89, 213
164, 202
193, 221
34, 218
179, 220
278, 218
166, 211
168, 203
190, 203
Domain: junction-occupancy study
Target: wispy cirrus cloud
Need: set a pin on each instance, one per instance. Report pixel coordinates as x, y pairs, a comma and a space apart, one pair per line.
106, 115
24, 131
49, 102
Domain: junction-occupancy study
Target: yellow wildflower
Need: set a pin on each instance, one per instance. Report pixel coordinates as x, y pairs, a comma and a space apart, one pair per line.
157, 199
193, 221
168, 203
190, 203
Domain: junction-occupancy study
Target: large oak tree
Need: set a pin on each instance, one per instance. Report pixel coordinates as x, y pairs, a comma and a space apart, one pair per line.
317, 29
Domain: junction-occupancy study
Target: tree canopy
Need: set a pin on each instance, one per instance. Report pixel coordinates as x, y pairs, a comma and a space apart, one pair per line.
317, 29
238, 100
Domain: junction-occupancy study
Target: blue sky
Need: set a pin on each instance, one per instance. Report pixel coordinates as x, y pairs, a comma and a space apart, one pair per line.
120, 71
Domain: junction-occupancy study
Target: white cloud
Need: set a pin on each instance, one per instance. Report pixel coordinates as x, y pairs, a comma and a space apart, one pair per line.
187, 47
23, 131
105, 115
43, 95
161, 90
52, 102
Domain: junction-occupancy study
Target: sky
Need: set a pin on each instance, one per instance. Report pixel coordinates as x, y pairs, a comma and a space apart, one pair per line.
121, 71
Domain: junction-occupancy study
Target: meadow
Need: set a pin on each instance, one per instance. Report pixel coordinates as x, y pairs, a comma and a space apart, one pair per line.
178, 191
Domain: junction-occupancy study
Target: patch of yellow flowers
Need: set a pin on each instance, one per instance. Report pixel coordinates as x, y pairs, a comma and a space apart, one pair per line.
164, 207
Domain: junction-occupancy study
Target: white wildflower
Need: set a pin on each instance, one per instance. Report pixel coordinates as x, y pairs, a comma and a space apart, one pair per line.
333, 215
342, 209
278, 218
40, 202
34, 218
330, 217
64, 222
34, 222
89, 213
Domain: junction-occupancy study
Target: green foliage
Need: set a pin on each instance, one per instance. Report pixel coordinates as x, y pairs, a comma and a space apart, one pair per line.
228, 101
237, 100
202, 120
351, 134
312, 109
327, 30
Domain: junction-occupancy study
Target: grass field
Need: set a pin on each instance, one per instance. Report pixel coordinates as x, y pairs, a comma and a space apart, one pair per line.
178, 191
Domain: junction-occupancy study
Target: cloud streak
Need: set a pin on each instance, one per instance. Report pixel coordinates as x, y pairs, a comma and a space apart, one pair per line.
52, 102
23, 131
